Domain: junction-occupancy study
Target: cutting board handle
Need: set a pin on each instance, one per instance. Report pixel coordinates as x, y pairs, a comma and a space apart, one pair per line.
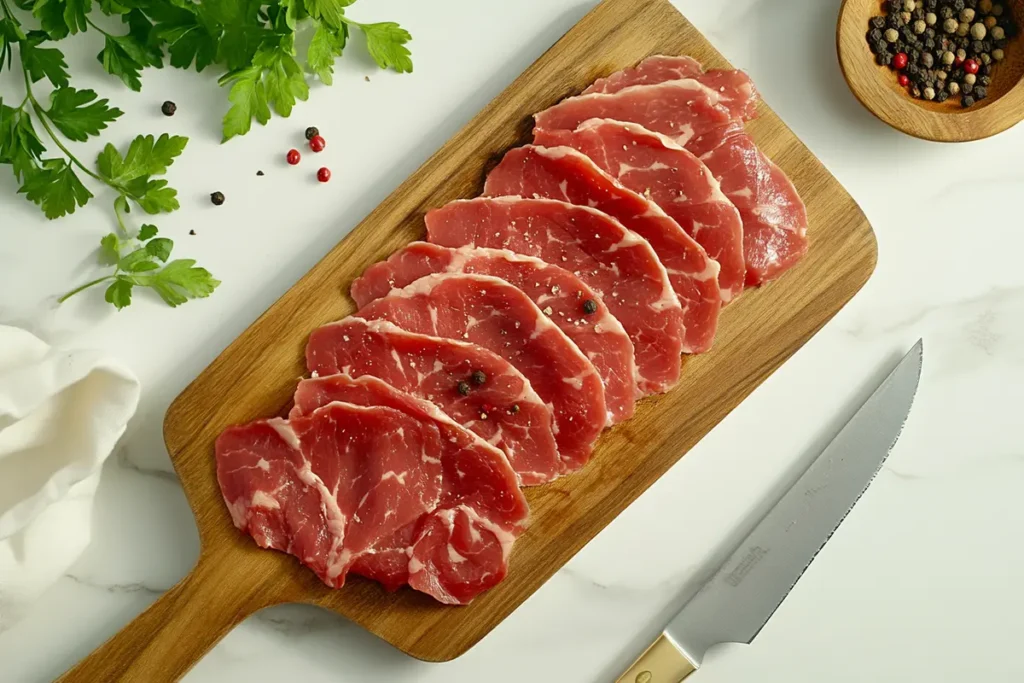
166, 640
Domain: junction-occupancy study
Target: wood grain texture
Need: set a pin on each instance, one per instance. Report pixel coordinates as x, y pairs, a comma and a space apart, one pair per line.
877, 89
256, 375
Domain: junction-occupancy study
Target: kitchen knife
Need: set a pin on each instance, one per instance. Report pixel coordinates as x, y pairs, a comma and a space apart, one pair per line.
747, 589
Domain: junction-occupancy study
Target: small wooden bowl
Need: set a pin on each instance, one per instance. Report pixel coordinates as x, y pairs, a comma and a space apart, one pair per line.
876, 87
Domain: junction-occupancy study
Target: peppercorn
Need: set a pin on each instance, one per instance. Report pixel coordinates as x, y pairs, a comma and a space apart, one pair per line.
514, 408
463, 388
878, 22
312, 132
978, 31
900, 62
966, 88
931, 4
479, 378
963, 29
905, 17
985, 6
961, 55
942, 96
192, 232
997, 10
977, 48
954, 88
874, 35
930, 18
909, 5
168, 108
990, 22
928, 60
950, 25
970, 79
998, 33
916, 92
590, 306
967, 14
259, 172
912, 69
958, 5
980, 92
929, 93
967, 101
217, 198
919, 26
891, 35
895, 5
881, 46
941, 75
985, 81
948, 58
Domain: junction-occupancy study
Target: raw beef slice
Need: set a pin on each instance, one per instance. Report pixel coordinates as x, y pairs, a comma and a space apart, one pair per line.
733, 86
680, 109
462, 548
493, 314
566, 174
599, 335
774, 216
615, 262
431, 368
671, 177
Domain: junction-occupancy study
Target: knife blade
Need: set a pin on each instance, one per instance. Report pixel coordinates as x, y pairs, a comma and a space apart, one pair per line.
734, 605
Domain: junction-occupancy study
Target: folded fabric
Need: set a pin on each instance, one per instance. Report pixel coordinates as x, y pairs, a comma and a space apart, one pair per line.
61, 413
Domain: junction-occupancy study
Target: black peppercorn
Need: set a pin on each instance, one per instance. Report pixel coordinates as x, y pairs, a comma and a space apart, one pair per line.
967, 101
589, 306
980, 92
259, 172
895, 6
931, 4
958, 5
479, 377
966, 88
191, 232
168, 108
946, 12
514, 408
985, 80
217, 198
913, 70
875, 35
878, 22
463, 388
881, 46
942, 96
312, 132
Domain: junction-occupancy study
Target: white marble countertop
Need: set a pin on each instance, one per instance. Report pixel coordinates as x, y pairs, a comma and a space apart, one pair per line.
921, 583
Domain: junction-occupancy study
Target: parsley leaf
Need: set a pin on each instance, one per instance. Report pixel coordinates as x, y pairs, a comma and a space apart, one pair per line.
242, 30
154, 196
189, 38
10, 33
77, 115
19, 144
55, 187
179, 281
119, 293
248, 99
386, 43
43, 62
331, 12
284, 78
146, 156
323, 48
117, 61
146, 232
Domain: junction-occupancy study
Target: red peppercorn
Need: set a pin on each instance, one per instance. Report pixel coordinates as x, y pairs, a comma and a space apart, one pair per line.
900, 61
323, 175
293, 156
317, 143
971, 66
958, 60
904, 80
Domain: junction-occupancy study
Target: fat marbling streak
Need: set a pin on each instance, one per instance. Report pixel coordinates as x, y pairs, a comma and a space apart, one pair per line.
746, 590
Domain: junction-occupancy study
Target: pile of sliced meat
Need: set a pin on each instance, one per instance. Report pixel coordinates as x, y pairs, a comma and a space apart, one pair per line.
493, 354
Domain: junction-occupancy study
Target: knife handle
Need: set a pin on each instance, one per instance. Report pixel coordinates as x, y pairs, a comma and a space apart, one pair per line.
662, 662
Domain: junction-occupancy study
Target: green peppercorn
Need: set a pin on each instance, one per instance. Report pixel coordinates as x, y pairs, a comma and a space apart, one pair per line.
479, 377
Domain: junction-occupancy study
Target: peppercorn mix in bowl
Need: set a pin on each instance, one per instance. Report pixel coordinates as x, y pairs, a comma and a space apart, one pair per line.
944, 70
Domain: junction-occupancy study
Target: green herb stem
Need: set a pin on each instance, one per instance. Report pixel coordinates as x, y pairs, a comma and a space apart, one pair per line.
96, 26
87, 285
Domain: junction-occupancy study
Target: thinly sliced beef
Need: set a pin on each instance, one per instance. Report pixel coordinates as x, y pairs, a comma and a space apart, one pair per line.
329, 487
462, 548
735, 87
617, 263
431, 368
493, 314
774, 216
680, 109
598, 334
566, 174
674, 179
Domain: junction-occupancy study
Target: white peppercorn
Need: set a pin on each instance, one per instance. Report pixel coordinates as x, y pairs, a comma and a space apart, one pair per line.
948, 58
920, 26
950, 25
915, 91
909, 5
990, 22
997, 10
978, 31
891, 35
985, 6
963, 29
954, 88
970, 79
941, 75
998, 33
998, 54
929, 93
961, 54
967, 14
930, 18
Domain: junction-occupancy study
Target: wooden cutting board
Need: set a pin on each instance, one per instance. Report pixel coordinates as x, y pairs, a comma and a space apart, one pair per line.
256, 375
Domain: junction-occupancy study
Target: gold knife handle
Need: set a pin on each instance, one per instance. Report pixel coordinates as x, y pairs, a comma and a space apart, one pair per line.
662, 662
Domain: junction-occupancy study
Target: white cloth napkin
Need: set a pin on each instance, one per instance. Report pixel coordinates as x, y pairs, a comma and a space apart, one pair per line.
61, 413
